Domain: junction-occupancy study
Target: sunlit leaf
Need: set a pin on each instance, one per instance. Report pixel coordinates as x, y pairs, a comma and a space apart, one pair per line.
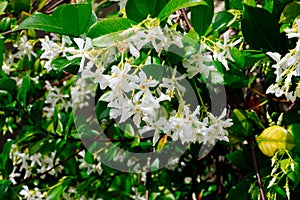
273, 139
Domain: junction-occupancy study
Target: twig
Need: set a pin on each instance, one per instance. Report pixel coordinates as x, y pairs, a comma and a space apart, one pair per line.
260, 185
265, 96
186, 19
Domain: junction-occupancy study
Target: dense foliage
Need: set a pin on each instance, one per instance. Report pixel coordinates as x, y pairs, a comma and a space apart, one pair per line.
160, 99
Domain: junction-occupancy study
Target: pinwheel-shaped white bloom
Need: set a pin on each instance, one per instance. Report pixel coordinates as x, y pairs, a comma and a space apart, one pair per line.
225, 53
216, 128
144, 86
81, 52
199, 63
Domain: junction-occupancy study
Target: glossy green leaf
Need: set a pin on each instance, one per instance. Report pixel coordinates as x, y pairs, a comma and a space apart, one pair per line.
8, 84
4, 185
220, 22
109, 25
250, 3
3, 6
129, 131
290, 12
42, 22
70, 19
241, 124
201, 16
175, 5
233, 4
22, 94
56, 191
63, 64
102, 111
237, 56
73, 18
107, 40
294, 129
138, 10
260, 29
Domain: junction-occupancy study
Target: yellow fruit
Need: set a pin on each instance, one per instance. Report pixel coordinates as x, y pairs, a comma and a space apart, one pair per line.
273, 139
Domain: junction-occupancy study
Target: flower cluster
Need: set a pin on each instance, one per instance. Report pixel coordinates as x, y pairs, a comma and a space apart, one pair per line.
287, 70
90, 168
200, 61
54, 97
134, 94
32, 164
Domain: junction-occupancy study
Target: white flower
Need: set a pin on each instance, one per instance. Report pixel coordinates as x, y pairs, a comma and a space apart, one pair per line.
297, 34
216, 127
174, 82
144, 85
153, 125
154, 36
121, 82
13, 175
225, 53
199, 63
25, 48
82, 52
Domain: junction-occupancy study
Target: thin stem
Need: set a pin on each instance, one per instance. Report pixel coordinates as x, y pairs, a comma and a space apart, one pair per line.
186, 19
254, 158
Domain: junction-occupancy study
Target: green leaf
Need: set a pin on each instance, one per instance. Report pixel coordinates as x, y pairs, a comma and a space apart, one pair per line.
138, 10
4, 185
20, 5
220, 22
268, 5
237, 56
201, 16
156, 71
56, 191
129, 131
241, 124
22, 94
8, 84
73, 18
68, 19
1, 52
3, 6
260, 29
290, 12
42, 22
240, 191
294, 129
102, 111
175, 5
109, 25
250, 3
61, 64
88, 157
5, 152
234, 4
107, 40
5, 24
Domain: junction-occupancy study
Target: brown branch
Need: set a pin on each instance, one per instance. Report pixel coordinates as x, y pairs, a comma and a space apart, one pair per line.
186, 19
265, 96
258, 177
